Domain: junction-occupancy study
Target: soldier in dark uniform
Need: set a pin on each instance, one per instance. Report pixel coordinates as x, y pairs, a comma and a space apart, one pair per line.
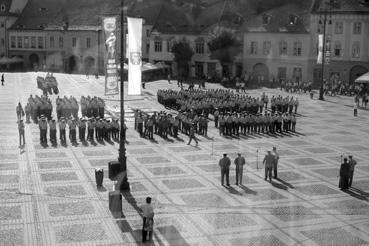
52, 126
62, 126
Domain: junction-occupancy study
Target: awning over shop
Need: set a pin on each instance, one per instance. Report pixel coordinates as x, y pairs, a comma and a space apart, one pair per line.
363, 79
5, 60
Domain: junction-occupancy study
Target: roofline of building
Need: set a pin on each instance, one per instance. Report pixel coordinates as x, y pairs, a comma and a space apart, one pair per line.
341, 12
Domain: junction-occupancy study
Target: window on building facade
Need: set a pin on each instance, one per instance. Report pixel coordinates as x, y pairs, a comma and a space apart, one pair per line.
147, 48
297, 74
266, 47
357, 28
199, 69
283, 48
200, 47
2, 24
338, 27
356, 50
158, 46
61, 42
2, 8
88, 42
40, 42
266, 19
211, 68
33, 42
253, 48
297, 48
2, 42
26, 42
52, 42
74, 42
12, 42
169, 46
337, 48
282, 73
19, 42
147, 33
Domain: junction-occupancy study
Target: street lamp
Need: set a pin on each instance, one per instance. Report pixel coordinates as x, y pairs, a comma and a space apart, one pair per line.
323, 13
122, 158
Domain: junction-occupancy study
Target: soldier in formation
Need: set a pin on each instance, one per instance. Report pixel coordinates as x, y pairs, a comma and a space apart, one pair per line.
38, 106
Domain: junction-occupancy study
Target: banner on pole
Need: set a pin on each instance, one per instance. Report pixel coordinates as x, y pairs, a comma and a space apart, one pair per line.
134, 55
111, 73
320, 49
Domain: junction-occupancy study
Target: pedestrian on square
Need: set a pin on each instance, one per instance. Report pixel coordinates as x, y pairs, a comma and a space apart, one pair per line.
2, 80
21, 133
224, 164
43, 130
344, 175
28, 112
352, 163
62, 126
20, 111
268, 163
275, 163
52, 126
148, 220
239, 162
192, 135
355, 108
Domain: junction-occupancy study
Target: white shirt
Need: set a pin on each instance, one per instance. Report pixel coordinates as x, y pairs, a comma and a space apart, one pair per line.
276, 155
147, 211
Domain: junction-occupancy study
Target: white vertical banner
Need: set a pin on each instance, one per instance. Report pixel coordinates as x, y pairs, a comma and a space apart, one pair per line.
320, 49
134, 55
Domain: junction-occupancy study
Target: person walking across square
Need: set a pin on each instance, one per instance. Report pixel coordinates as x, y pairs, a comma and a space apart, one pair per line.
268, 162
148, 220
352, 164
239, 162
224, 164
275, 164
192, 135
21, 133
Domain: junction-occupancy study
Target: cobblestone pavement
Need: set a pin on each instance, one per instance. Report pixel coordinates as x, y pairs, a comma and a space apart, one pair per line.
49, 197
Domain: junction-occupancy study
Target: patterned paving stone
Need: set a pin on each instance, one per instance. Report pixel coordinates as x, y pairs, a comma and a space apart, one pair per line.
11, 237
361, 184
68, 209
79, 233
9, 179
289, 176
137, 187
287, 152
338, 138
203, 200
183, 149
266, 194
225, 147
54, 154
232, 179
142, 151
294, 213
268, 240
350, 207
152, 159
229, 220
209, 168
166, 170
67, 190
8, 166
60, 176
316, 190
10, 213
9, 194
99, 162
297, 143
54, 164
199, 157
327, 172
182, 184
305, 161
4, 156
96, 152
333, 237
355, 148
321, 150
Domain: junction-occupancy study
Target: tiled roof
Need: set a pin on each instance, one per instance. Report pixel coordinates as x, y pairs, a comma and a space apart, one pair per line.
341, 6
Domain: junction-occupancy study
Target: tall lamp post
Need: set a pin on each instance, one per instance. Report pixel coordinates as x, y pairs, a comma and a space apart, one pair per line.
323, 14
124, 185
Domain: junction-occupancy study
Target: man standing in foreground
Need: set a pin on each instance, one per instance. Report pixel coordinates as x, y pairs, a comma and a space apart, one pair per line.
352, 164
275, 164
224, 164
268, 163
148, 219
239, 162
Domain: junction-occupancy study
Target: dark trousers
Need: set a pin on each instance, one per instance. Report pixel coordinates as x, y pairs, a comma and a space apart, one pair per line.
43, 134
72, 135
239, 174
224, 172
62, 135
53, 135
21, 136
350, 178
268, 173
275, 170
144, 232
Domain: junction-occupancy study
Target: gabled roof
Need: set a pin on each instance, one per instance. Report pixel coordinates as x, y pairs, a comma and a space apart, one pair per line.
340, 6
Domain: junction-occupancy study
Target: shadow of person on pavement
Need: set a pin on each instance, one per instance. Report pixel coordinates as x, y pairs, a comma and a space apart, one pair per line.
232, 190
285, 183
358, 194
279, 186
247, 190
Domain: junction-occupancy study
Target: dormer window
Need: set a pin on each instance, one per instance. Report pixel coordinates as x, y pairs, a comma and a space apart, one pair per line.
266, 19
43, 9
293, 20
237, 20
2, 8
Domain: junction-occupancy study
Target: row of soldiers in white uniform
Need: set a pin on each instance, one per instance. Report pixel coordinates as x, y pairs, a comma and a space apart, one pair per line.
38, 106
101, 129
296, 87
205, 102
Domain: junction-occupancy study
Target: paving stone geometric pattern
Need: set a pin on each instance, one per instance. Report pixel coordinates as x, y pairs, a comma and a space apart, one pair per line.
269, 240
49, 195
79, 233
334, 237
